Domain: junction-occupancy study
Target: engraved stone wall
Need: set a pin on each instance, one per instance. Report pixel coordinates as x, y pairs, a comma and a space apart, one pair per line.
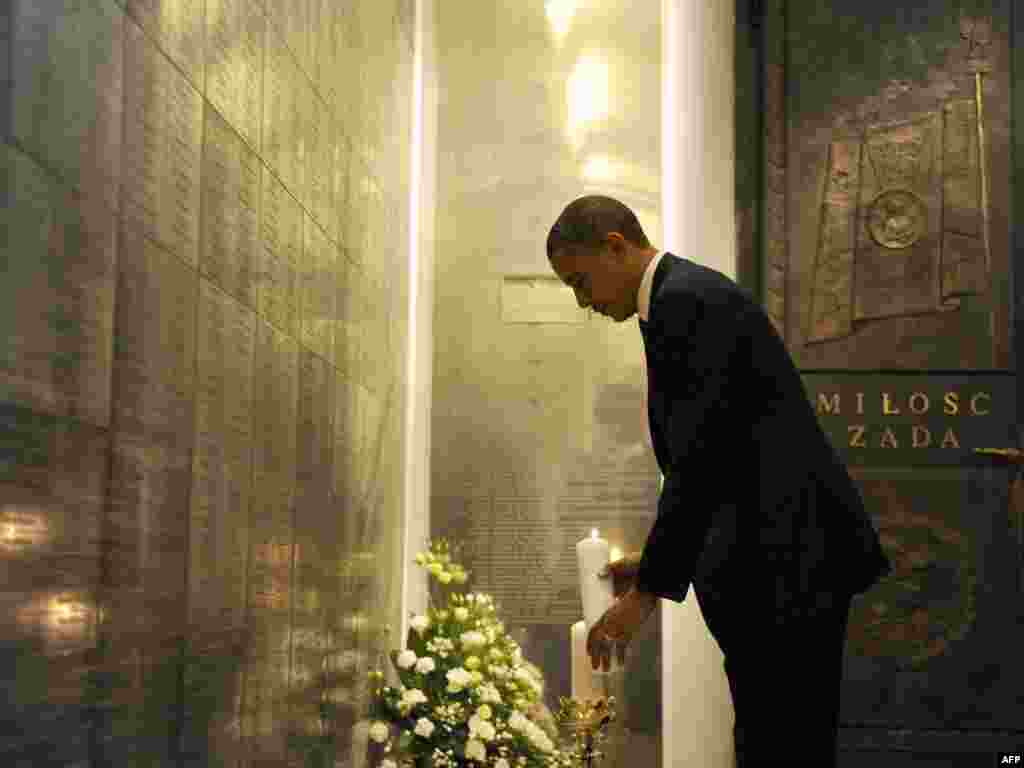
202, 296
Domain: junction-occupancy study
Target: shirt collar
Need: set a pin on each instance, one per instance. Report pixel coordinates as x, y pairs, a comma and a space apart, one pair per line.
643, 299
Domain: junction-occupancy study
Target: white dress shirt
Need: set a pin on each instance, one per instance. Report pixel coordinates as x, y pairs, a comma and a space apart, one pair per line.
643, 298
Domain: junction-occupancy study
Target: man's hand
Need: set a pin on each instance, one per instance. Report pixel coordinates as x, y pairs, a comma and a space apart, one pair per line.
618, 625
623, 573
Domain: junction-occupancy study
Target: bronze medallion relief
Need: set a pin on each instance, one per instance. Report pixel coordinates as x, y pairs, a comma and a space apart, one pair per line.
897, 218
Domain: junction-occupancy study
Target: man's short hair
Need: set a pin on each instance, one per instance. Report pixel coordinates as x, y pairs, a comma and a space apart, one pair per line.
586, 220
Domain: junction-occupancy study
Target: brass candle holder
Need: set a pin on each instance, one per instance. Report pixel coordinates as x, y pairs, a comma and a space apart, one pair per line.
586, 721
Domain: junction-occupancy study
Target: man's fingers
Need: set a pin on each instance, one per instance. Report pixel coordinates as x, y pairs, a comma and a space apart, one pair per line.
595, 658
623, 567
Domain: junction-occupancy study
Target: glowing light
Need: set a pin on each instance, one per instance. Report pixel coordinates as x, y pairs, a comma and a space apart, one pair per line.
593, 533
23, 529
560, 14
598, 168
616, 554
587, 95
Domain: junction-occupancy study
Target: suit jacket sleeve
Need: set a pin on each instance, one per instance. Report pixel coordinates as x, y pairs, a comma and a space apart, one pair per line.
693, 358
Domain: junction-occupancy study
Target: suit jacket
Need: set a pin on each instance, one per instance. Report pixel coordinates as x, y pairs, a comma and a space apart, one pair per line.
757, 506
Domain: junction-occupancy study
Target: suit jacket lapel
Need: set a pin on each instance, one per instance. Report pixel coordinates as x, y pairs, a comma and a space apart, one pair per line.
655, 397
660, 273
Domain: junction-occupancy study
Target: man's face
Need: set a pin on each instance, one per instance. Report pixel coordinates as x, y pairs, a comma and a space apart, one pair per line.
599, 278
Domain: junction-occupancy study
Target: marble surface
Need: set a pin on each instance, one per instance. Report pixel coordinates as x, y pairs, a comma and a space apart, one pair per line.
200, 422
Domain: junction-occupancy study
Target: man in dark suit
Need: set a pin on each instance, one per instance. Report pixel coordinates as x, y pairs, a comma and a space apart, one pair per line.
757, 510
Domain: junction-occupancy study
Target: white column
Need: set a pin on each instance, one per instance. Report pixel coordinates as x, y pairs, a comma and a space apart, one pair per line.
699, 224
419, 357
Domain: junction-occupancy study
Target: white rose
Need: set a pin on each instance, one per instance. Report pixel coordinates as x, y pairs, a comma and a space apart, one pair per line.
414, 696
485, 730
424, 728
379, 731
419, 623
489, 694
475, 750
458, 679
406, 659
425, 665
461, 613
479, 727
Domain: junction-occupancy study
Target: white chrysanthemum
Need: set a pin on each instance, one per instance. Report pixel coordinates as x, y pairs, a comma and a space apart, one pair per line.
425, 665
379, 731
406, 659
424, 728
475, 750
419, 623
472, 639
485, 712
414, 696
461, 614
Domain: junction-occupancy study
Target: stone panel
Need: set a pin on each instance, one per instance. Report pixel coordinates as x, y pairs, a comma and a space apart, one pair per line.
66, 90
229, 238
57, 282
163, 139
221, 461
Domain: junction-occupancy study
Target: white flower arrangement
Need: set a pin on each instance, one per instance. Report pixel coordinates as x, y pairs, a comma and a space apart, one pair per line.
467, 698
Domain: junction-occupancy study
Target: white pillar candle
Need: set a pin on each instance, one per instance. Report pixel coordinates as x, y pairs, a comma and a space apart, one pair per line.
593, 555
583, 682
